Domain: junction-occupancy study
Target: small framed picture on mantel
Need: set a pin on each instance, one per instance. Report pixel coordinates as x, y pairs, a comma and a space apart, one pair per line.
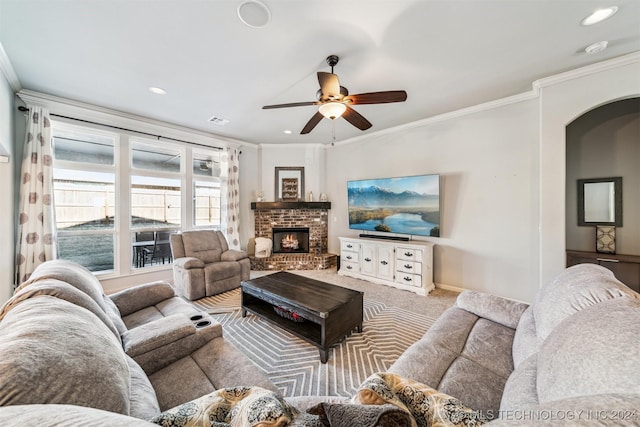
289, 183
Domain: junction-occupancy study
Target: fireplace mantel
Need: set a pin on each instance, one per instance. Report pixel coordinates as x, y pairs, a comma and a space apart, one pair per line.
290, 205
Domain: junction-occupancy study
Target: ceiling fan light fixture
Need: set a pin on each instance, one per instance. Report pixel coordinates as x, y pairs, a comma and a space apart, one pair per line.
332, 110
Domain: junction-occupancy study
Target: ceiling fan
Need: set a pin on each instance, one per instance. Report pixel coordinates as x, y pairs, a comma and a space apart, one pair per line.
334, 101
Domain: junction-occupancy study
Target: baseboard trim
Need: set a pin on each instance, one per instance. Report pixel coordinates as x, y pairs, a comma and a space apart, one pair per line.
448, 287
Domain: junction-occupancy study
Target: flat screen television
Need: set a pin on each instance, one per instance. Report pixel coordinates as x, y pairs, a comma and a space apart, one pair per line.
403, 205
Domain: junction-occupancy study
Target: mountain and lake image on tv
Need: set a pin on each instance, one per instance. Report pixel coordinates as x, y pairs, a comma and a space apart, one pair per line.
403, 205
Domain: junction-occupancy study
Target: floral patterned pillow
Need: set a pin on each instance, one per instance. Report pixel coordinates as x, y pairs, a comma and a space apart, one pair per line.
237, 406
427, 406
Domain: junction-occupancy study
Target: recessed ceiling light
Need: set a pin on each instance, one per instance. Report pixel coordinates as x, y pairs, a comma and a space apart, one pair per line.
287, 131
254, 13
596, 47
157, 91
599, 15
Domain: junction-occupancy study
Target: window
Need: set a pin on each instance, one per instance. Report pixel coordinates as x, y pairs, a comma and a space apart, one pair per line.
84, 196
118, 197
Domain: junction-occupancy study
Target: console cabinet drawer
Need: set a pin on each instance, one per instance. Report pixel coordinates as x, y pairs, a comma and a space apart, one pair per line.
349, 245
409, 267
409, 279
350, 256
409, 254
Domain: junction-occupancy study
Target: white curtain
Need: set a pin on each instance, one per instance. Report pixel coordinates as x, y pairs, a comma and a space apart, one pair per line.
36, 220
231, 204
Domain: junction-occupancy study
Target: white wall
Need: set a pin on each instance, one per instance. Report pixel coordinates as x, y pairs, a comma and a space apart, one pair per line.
503, 169
7, 213
562, 100
488, 166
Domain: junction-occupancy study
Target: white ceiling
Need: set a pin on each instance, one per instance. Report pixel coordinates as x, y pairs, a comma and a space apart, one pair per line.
446, 54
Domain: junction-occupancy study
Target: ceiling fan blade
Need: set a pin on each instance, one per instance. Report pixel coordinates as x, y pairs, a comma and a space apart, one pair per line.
329, 84
356, 119
377, 97
312, 123
291, 104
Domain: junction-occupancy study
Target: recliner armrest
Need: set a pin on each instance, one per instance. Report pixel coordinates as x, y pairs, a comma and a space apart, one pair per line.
156, 334
500, 310
138, 297
233, 255
188, 263
156, 345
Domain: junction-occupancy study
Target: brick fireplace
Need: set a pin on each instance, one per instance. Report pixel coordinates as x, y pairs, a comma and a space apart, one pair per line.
296, 216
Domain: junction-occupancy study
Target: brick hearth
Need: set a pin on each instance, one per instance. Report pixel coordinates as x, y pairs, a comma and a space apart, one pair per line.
313, 215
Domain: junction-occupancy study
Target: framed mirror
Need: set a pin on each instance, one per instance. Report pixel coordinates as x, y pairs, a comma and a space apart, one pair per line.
600, 201
289, 184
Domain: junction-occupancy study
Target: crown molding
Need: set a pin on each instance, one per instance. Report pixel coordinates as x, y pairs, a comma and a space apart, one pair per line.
446, 116
7, 69
108, 117
587, 70
536, 86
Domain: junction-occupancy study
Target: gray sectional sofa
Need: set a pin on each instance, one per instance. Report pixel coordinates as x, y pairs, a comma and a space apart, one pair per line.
136, 353
571, 357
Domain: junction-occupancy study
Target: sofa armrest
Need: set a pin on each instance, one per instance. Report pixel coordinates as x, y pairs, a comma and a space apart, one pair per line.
188, 263
138, 297
233, 255
500, 310
158, 344
156, 334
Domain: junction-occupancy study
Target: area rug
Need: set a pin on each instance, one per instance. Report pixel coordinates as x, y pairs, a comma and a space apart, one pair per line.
294, 366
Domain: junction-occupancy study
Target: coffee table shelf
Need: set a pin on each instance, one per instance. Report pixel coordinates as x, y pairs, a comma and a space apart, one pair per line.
331, 311
308, 331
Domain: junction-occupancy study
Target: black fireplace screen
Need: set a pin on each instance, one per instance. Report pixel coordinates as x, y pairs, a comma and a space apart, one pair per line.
290, 240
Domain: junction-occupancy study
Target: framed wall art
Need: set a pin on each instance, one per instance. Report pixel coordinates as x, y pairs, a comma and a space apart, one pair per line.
289, 183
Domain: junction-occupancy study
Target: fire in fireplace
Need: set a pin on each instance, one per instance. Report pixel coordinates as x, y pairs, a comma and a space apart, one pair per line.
290, 240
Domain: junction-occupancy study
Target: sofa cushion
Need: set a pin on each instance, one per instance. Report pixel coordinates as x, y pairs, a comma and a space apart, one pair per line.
143, 403
520, 390
63, 291
202, 244
592, 352
576, 288
65, 416
499, 310
71, 273
462, 355
138, 297
525, 340
53, 351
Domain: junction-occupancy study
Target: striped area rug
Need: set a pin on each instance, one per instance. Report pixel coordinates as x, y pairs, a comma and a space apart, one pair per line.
294, 366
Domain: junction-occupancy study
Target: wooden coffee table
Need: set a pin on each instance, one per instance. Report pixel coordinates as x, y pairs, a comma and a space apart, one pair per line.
330, 312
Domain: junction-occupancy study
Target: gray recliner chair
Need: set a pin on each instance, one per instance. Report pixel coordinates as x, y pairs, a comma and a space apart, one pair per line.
203, 264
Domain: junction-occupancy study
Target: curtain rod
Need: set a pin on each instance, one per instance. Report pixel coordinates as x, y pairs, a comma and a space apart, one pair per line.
25, 109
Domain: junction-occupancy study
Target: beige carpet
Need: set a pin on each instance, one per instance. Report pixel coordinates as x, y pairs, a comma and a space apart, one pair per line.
393, 320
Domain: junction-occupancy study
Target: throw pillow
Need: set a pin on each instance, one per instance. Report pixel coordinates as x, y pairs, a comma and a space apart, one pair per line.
427, 406
236, 406
353, 415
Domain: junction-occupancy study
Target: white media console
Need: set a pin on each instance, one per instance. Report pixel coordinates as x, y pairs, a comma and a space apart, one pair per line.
402, 264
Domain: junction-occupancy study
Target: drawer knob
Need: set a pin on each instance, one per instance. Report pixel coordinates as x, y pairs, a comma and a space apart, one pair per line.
408, 266
408, 254
349, 267
349, 257
349, 246
368, 259
407, 279
384, 262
